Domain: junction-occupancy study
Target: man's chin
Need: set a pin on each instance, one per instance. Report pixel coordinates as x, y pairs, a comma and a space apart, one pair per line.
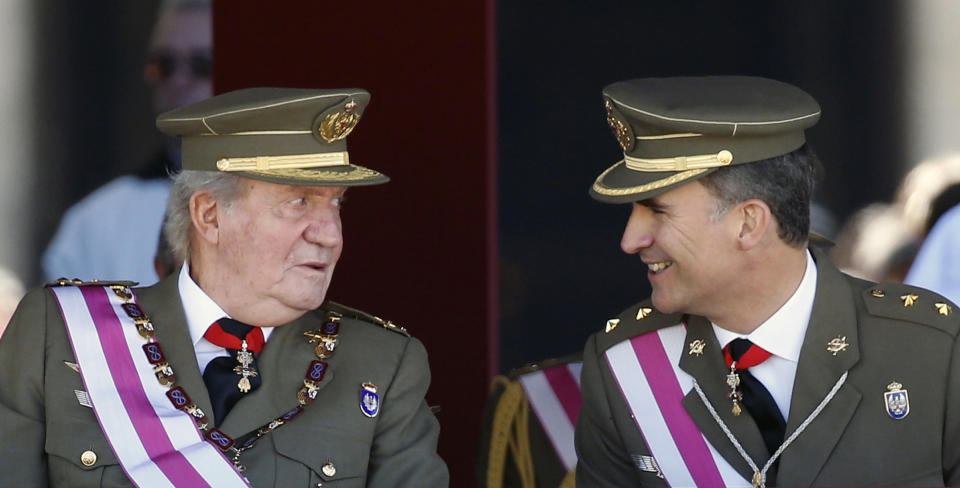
663, 304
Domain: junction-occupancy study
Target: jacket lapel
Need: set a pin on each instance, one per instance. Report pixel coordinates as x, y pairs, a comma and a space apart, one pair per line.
834, 318
283, 367
162, 304
709, 371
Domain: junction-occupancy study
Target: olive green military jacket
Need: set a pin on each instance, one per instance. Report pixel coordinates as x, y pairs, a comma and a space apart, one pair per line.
853, 441
44, 429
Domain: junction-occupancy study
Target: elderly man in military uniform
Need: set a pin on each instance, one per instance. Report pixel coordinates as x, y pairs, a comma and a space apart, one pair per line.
235, 371
755, 361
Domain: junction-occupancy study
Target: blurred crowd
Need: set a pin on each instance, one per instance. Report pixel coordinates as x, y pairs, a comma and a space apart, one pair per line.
911, 238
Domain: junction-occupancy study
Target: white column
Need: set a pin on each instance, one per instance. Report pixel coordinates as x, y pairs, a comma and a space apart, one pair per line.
932, 78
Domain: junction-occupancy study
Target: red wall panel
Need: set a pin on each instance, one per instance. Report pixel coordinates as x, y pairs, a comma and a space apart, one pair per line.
420, 250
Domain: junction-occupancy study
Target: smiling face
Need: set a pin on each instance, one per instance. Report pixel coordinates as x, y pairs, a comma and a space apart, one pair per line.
690, 251
276, 249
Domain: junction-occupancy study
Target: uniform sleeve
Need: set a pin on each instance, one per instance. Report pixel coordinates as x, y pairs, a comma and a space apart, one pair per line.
602, 458
22, 430
404, 451
951, 434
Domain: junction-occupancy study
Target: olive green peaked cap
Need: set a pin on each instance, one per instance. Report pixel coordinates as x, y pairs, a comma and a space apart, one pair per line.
674, 130
281, 135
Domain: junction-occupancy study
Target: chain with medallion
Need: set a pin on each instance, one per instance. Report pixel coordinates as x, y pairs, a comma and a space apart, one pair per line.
325, 340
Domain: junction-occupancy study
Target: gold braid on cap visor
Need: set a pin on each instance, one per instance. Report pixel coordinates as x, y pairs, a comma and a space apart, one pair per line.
688, 167
297, 161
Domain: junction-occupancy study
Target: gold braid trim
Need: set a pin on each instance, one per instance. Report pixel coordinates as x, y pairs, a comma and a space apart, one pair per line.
569, 481
613, 192
510, 433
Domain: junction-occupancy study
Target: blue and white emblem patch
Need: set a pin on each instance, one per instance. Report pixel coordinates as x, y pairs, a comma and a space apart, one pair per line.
897, 401
369, 400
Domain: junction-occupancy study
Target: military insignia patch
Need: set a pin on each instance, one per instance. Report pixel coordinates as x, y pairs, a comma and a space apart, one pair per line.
896, 401
369, 400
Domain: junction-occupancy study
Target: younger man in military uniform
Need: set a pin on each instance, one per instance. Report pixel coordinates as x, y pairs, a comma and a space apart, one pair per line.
234, 371
755, 361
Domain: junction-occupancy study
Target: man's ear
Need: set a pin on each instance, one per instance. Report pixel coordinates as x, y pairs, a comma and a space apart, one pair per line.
755, 220
204, 212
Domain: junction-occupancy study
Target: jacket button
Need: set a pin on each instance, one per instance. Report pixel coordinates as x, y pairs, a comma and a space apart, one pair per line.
88, 458
329, 469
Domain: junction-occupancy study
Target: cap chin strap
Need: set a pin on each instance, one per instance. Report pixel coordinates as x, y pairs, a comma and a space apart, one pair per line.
679, 163
296, 161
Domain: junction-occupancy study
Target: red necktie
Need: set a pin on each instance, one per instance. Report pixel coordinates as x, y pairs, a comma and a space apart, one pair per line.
221, 375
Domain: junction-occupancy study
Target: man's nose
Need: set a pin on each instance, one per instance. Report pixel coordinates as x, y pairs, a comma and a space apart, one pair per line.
638, 234
324, 228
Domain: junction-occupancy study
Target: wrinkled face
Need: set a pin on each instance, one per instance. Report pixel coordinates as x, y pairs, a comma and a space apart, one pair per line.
179, 64
278, 244
690, 251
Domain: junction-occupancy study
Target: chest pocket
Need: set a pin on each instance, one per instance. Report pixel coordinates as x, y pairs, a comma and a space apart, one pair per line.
78, 455
331, 457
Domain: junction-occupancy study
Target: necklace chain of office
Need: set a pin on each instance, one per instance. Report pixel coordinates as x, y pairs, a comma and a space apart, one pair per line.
325, 340
759, 478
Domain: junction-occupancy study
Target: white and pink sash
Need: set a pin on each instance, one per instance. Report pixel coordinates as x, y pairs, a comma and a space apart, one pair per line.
554, 395
156, 444
647, 368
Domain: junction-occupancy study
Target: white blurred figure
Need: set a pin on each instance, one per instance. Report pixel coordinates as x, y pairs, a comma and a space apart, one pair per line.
11, 291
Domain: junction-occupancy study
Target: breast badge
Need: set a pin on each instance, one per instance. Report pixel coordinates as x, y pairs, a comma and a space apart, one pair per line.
897, 401
369, 400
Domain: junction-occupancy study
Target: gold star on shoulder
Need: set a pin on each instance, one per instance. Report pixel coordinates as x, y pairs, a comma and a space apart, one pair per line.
909, 299
943, 308
643, 313
611, 324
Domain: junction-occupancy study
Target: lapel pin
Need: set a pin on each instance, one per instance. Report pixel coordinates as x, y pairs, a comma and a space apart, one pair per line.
369, 400
837, 344
897, 401
696, 347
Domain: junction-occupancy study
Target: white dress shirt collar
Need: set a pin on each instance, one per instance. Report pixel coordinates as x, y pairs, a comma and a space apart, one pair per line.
201, 311
782, 334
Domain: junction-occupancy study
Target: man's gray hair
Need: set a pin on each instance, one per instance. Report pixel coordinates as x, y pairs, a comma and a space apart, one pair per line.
785, 183
223, 186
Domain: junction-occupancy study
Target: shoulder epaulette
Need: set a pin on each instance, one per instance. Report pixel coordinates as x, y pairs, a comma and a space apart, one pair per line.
545, 364
79, 282
912, 304
636, 320
364, 316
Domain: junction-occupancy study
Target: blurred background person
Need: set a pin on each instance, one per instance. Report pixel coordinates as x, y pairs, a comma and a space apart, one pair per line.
11, 291
111, 234
880, 241
937, 265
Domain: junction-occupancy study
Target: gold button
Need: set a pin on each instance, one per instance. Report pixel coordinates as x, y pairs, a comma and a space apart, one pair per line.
725, 157
88, 458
